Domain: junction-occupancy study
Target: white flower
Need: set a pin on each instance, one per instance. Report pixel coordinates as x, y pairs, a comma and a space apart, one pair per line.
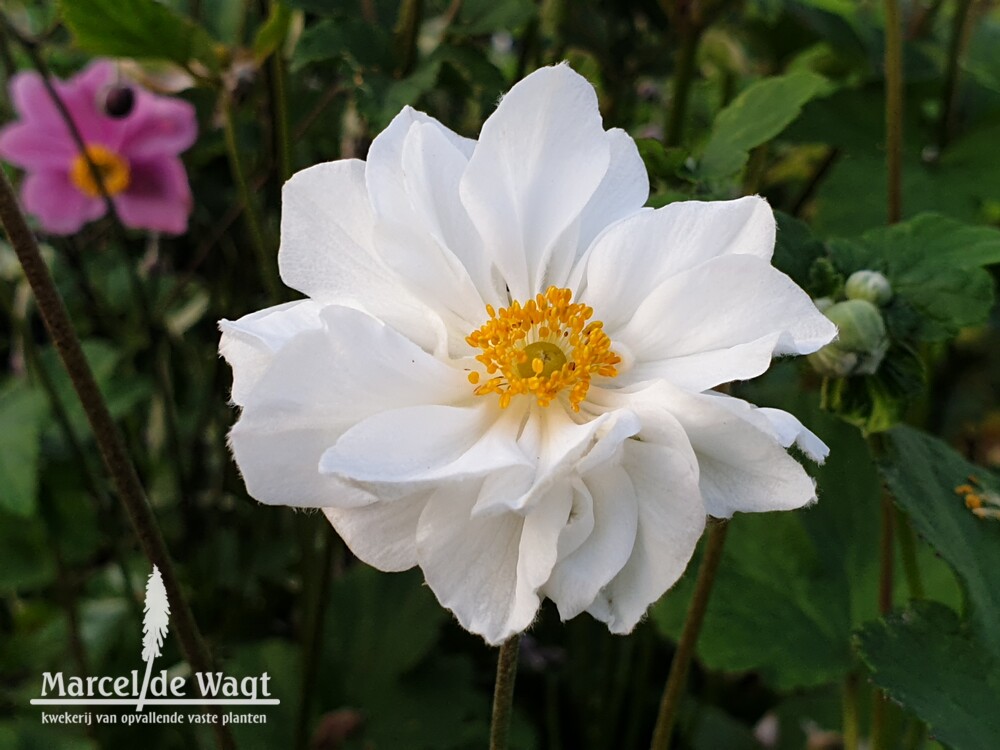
447, 405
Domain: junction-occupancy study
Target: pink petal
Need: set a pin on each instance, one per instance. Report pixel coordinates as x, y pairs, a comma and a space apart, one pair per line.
79, 94
30, 147
158, 196
58, 205
158, 126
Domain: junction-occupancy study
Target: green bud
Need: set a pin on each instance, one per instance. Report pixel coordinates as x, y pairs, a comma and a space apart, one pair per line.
823, 303
869, 285
861, 342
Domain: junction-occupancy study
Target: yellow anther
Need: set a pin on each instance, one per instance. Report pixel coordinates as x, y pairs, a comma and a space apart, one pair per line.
112, 168
542, 348
473, 377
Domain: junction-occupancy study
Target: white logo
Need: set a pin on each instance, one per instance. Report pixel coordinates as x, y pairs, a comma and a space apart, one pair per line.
217, 688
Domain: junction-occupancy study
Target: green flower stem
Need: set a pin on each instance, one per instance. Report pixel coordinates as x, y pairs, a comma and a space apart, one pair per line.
503, 692
266, 262
109, 440
955, 43
680, 91
850, 730
894, 108
279, 100
405, 34
677, 679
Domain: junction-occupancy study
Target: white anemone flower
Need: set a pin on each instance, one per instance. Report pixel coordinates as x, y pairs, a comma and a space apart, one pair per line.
502, 371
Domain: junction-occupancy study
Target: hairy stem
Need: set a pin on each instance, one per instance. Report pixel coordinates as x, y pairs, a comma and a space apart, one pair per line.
503, 692
850, 712
894, 108
677, 678
116, 458
955, 43
266, 262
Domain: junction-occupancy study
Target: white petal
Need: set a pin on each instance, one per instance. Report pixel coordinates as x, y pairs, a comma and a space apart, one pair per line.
422, 231
488, 570
743, 465
316, 386
395, 451
790, 430
721, 321
636, 255
249, 344
327, 229
671, 520
557, 446
540, 158
608, 497
383, 534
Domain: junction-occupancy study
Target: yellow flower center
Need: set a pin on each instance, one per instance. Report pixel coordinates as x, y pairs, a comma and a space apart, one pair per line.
543, 347
113, 169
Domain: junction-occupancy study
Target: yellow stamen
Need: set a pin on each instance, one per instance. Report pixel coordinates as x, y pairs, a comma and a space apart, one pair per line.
113, 169
542, 348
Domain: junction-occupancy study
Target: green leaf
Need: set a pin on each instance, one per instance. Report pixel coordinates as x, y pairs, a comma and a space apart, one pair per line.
758, 114
488, 16
360, 44
137, 28
26, 560
923, 473
271, 35
774, 608
795, 248
933, 263
22, 414
927, 662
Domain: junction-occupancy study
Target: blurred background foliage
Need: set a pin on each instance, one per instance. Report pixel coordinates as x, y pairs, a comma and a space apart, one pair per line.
779, 97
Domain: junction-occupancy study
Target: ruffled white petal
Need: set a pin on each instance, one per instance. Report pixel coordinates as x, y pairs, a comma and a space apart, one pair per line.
422, 230
395, 451
743, 464
790, 430
605, 503
488, 570
638, 254
327, 230
540, 158
318, 384
670, 522
382, 534
721, 321
250, 343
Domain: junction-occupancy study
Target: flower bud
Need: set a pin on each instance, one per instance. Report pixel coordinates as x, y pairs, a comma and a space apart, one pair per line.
823, 303
860, 345
119, 100
869, 285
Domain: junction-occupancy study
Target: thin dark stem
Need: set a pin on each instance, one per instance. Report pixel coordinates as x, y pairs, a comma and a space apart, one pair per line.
955, 43
809, 191
109, 440
279, 98
313, 631
266, 262
503, 693
894, 108
851, 731
681, 85
405, 36
677, 679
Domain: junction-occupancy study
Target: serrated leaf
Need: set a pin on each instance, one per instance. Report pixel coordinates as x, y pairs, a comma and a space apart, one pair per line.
361, 44
22, 414
933, 263
923, 473
758, 114
795, 248
139, 29
773, 609
927, 662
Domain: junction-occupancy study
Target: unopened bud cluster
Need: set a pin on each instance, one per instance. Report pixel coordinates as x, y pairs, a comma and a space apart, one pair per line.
862, 339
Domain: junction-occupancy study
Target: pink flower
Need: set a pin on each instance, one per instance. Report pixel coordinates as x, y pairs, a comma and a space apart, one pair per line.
137, 154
